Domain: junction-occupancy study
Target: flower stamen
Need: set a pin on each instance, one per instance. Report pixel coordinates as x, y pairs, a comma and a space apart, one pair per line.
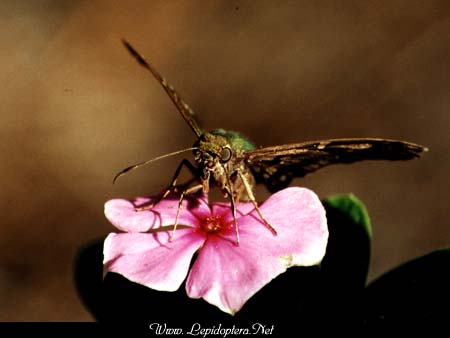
213, 225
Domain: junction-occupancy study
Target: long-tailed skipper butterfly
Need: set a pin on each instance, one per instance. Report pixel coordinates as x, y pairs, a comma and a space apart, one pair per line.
229, 161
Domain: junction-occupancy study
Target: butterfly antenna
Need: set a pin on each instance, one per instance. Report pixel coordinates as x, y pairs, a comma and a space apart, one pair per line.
183, 107
140, 164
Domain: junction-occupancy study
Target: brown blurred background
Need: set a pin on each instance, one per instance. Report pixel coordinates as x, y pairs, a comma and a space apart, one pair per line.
76, 108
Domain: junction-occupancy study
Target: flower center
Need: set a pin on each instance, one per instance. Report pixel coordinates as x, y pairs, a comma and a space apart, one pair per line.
213, 225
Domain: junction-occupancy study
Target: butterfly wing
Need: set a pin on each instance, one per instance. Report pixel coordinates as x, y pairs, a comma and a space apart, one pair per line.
276, 166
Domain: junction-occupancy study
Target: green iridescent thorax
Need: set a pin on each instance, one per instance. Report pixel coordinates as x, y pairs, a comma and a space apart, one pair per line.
236, 140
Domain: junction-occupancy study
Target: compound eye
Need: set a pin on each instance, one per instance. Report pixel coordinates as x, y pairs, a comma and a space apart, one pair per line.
226, 154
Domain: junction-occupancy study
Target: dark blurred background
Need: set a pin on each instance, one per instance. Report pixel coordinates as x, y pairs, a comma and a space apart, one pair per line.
76, 108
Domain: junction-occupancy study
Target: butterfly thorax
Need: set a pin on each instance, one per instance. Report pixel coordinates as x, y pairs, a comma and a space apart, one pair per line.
221, 157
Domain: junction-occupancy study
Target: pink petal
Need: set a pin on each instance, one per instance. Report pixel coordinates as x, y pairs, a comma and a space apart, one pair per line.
222, 208
150, 259
123, 215
227, 275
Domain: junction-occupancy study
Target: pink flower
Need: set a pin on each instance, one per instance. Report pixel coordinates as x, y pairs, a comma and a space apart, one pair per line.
224, 274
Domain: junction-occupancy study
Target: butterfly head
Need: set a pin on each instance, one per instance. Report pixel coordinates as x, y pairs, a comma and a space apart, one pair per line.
219, 153
212, 150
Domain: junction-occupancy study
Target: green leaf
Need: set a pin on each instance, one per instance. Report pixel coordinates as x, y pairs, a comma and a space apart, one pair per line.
346, 263
415, 294
353, 207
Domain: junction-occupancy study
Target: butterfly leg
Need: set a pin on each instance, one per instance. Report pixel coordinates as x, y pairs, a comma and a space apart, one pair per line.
173, 183
230, 193
185, 192
249, 191
233, 210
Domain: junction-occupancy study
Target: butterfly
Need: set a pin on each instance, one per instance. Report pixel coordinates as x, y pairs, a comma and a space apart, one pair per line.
229, 161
